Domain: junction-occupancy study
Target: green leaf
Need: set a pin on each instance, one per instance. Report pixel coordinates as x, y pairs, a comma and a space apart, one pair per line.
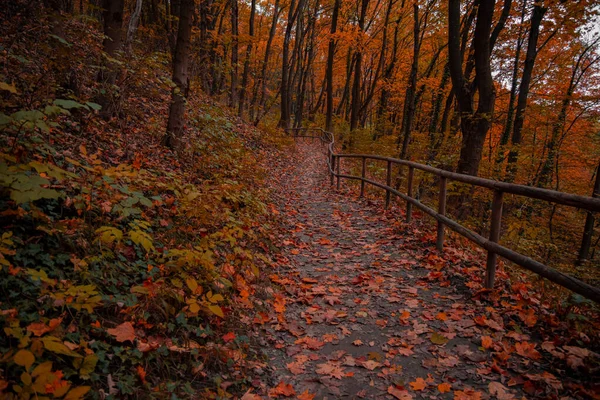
69, 104
94, 106
63, 41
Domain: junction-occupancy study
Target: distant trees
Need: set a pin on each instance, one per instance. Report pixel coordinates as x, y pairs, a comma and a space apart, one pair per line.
477, 78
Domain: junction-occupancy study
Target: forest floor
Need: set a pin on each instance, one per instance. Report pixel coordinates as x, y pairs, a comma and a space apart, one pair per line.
367, 309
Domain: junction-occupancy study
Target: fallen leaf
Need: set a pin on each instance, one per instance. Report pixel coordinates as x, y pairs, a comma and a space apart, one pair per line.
282, 389
444, 387
438, 339
399, 394
123, 332
486, 342
306, 395
502, 393
419, 384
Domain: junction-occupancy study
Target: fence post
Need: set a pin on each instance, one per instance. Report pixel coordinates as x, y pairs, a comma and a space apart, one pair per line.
337, 160
490, 272
332, 166
409, 193
442, 211
388, 182
363, 174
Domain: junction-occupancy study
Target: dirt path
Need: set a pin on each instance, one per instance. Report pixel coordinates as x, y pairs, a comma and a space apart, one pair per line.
360, 314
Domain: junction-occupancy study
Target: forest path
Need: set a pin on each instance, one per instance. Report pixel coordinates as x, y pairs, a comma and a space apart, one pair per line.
363, 312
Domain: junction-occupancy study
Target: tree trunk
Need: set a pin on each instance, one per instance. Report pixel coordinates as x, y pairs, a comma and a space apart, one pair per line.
409, 98
329, 72
513, 95
133, 23
475, 124
233, 94
356, 103
262, 82
247, 60
588, 230
536, 18
176, 122
284, 120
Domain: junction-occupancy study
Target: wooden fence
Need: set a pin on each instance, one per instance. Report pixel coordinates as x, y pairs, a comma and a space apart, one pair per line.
494, 249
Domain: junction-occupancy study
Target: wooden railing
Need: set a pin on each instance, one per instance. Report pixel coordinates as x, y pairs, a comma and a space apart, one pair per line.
494, 249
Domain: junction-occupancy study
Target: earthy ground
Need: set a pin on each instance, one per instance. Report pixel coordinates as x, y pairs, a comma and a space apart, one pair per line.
366, 308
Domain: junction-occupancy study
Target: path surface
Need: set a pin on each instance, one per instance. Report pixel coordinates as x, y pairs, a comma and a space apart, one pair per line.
361, 313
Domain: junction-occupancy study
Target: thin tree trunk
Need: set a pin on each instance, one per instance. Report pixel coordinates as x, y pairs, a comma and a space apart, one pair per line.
262, 81
409, 99
329, 72
233, 95
133, 23
356, 103
247, 59
176, 122
517, 134
588, 230
506, 133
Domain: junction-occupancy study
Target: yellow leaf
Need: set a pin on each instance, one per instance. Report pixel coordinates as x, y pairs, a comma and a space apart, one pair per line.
42, 368
61, 391
24, 358
77, 393
9, 87
192, 284
194, 307
88, 365
54, 345
26, 378
216, 310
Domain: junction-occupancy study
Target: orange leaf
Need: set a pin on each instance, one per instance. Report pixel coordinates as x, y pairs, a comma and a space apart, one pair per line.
306, 395
444, 387
123, 332
419, 384
229, 337
38, 328
486, 342
399, 394
283, 389
141, 373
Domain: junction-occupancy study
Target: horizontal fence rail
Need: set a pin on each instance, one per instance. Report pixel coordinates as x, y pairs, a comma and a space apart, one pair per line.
494, 249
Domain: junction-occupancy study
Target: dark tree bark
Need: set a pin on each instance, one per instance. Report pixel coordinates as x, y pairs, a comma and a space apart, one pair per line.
383, 119
262, 81
534, 30
233, 94
309, 57
176, 122
329, 71
246, 72
436, 136
588, 230
356, 103
286, 109
409, 98
513, 95
475, 123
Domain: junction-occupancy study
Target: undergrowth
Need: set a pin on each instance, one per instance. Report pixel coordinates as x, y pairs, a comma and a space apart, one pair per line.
125, 269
